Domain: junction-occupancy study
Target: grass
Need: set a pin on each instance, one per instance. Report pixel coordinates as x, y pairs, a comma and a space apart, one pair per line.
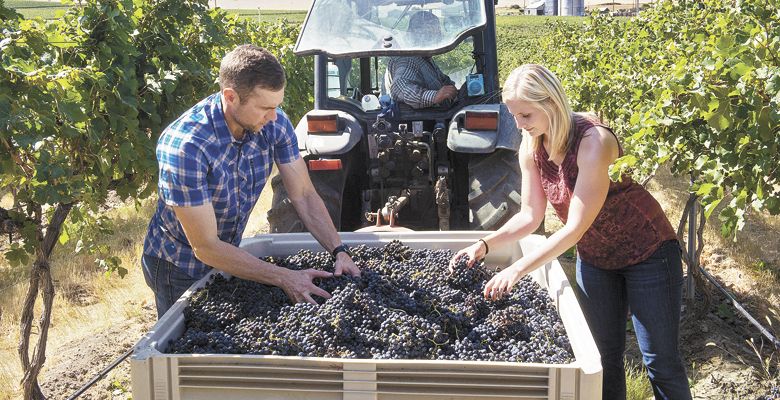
55, 9
78, 277
270, 15
749, 262
86, 299
637, 384
42, 9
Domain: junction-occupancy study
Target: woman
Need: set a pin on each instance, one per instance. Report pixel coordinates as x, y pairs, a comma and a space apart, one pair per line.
627, 252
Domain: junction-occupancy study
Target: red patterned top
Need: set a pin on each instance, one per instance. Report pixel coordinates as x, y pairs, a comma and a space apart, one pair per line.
630, 226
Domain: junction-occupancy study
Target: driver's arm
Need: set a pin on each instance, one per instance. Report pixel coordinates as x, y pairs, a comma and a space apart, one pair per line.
407, 84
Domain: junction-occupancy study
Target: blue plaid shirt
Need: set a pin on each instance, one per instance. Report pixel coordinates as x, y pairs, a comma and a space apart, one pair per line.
201, 162
415, 80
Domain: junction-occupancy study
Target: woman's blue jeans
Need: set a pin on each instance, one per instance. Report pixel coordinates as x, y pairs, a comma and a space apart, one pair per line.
168, 282
652, 290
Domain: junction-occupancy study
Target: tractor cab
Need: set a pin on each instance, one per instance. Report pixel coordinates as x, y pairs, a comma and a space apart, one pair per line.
375, 159
353, 41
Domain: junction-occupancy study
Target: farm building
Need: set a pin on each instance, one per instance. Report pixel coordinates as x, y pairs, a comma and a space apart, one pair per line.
535, 8
555, 7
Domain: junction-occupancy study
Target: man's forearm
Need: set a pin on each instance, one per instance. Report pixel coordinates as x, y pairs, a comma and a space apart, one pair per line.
237, 262
317, 220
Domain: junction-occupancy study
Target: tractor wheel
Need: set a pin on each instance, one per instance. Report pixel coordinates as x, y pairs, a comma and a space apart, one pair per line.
282, 217
494, 189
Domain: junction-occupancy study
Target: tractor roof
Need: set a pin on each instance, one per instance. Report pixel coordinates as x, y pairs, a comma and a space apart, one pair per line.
358, 28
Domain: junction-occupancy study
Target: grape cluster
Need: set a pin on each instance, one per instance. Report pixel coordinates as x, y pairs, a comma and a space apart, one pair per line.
774, 394
405, 305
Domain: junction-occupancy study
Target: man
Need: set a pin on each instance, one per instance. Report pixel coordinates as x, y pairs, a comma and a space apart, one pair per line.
418, 81
213, 162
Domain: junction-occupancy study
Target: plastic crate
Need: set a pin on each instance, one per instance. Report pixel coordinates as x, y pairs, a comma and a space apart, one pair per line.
161, 376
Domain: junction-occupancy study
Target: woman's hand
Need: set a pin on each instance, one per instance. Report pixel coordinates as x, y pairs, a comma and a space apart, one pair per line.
502, 283
474, 252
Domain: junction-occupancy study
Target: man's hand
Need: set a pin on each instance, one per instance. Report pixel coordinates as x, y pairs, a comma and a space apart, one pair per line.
445, 93
299, 287
344, 264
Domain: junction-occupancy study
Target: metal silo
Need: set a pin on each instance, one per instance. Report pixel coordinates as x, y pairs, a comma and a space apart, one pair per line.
564, 7
551, 7
578, 7
572, 7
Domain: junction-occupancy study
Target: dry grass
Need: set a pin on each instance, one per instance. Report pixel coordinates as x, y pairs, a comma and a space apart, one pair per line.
749, 265
86, 299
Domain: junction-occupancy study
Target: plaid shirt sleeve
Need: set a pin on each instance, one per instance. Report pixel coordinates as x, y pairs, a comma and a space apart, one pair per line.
183, 169
408, 83
285, 143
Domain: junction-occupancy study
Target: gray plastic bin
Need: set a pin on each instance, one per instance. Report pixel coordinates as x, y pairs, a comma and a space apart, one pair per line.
161, 376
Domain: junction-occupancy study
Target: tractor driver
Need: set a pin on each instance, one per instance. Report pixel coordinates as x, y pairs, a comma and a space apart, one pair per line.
418, 81
213, 163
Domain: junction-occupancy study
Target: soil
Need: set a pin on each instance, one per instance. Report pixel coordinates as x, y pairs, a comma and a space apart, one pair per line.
713, 344
714, 339
72, 365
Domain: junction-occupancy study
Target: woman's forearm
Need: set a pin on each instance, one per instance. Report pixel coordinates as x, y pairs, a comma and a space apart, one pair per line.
519, 226
552, 247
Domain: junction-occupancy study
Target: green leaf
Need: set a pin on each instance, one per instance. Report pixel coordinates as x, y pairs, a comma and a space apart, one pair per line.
64, 236
17, 256
710, 207
72, 111
764, 124
739, 70
705, 189
725, 44
719, 121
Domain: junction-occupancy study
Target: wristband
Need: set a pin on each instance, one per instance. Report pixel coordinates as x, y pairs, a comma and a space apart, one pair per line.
341, 248
487, 249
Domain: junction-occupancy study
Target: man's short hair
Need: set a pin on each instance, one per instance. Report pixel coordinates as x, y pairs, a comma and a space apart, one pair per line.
423, 21
424, 28
249, 66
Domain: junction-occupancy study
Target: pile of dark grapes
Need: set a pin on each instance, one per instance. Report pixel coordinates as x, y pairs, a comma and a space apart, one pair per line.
405, 305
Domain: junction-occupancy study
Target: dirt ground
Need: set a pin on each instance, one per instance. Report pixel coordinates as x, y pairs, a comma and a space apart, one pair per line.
721, 364
72, 365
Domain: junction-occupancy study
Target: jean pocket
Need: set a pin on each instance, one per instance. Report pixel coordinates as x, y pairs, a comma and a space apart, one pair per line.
178, 279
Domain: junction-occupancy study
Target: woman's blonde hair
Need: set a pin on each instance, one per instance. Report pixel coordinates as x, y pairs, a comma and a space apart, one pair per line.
536, 84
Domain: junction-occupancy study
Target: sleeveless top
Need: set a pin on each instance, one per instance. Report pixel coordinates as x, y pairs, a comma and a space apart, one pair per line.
631, 225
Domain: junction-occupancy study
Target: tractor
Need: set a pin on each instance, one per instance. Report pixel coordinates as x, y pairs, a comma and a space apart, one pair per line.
377, 162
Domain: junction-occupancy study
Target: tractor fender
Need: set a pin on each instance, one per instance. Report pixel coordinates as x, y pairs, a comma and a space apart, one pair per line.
507, 136
340, 142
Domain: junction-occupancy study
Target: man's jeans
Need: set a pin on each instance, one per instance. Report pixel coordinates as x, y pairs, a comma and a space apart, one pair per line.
168, 282
652, 289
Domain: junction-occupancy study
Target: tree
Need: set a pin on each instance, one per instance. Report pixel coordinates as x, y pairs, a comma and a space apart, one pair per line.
693, 85
82, 101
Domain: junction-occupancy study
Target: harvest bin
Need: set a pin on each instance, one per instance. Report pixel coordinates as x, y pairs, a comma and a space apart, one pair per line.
160, 376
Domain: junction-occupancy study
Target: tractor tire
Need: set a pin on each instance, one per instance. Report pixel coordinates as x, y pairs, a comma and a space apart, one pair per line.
494, 189
282, 217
